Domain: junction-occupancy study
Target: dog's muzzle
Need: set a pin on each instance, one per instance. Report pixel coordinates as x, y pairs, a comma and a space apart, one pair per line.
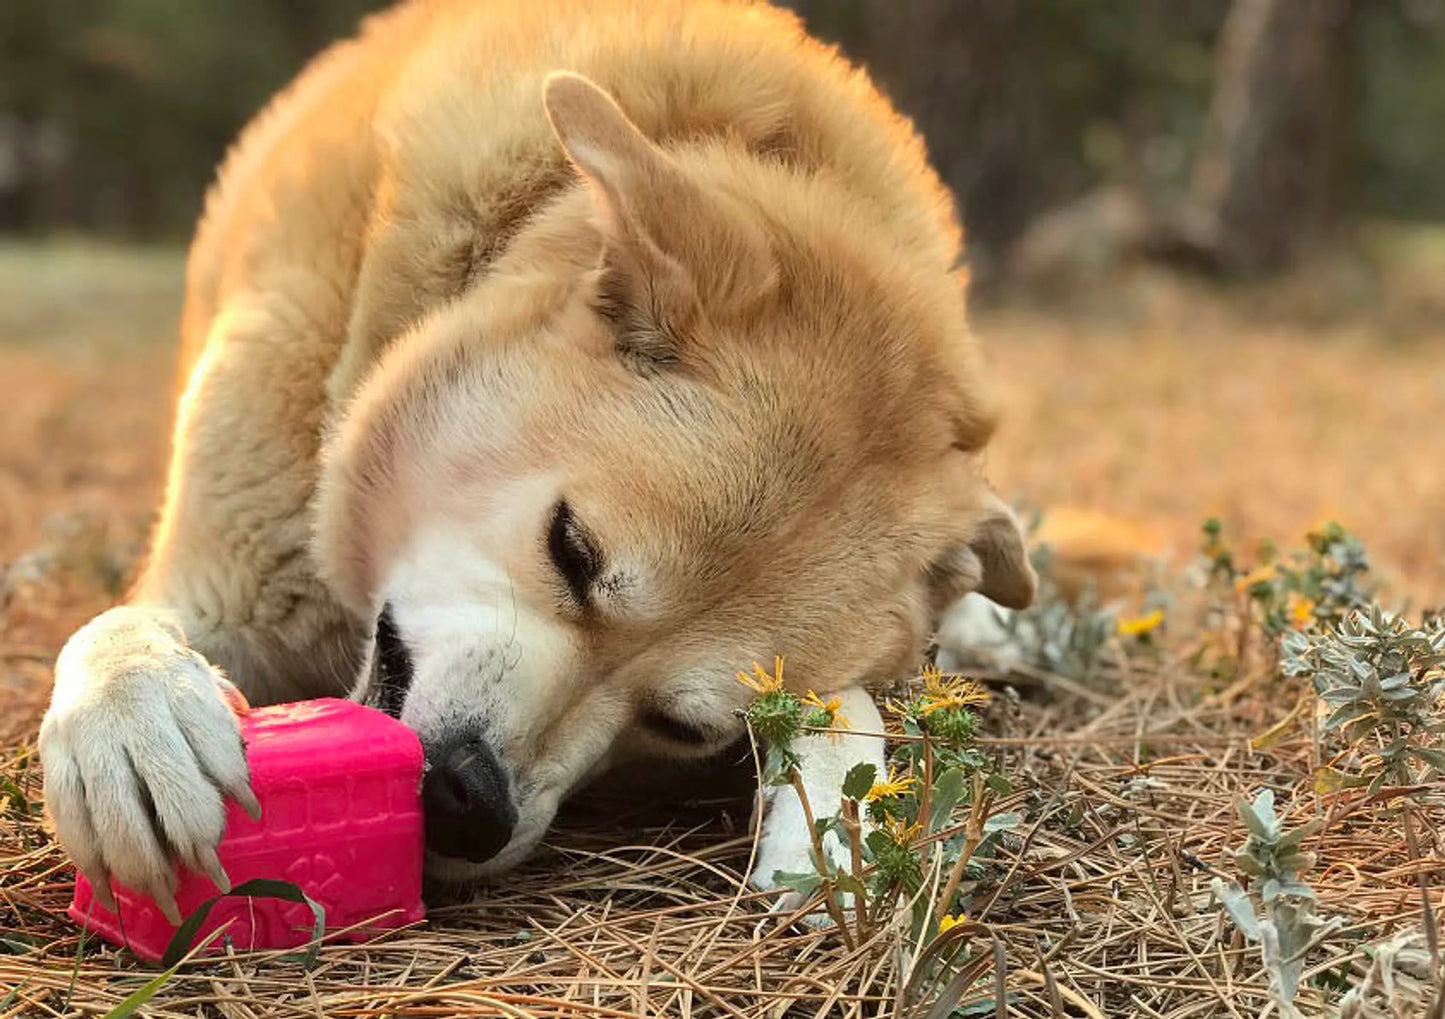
468, 801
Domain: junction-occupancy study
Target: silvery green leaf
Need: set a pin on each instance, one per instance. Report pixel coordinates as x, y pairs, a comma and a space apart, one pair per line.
1263, 810
1394, 747
1402, 694
1269, 891
1434, 758
1304, 831
1250, 819
1289, 864
1296, 888
948, 791
1345, 715
802, 883
1295, 643
1001, 822
1236, 902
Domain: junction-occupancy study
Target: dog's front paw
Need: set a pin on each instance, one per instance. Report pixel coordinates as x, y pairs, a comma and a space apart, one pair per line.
824, 761
786, 848
140, 747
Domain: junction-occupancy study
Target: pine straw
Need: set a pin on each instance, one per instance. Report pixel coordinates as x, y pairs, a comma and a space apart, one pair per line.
1099, 907
637, 909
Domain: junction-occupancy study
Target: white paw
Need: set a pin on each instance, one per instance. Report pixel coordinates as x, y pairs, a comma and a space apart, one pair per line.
140, 747
786, 845
973, 632
786, 848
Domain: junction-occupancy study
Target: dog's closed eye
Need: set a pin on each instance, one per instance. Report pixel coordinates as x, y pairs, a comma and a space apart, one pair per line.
677, 729
391, 666
575, 554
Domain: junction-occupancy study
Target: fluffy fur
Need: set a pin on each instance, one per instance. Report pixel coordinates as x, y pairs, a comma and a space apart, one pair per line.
702, 287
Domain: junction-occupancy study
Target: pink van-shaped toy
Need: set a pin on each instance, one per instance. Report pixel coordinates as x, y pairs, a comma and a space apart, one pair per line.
339, 787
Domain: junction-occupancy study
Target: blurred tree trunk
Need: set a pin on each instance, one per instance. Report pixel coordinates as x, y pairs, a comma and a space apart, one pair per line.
957, 68
1274, 174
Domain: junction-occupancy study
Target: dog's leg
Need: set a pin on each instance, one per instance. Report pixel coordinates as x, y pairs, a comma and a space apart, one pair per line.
140, 744
786, 844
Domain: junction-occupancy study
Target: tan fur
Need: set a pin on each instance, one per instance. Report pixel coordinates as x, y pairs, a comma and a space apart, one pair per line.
720, 312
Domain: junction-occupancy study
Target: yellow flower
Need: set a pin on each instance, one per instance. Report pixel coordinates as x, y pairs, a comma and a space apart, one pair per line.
891, 786
1140, 625
949, 921
1258, 576
941, 692
1301, 611
760, 682
833, 708
900, 831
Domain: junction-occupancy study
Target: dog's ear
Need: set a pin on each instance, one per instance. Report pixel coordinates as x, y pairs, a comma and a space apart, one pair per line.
672, 249
993, 563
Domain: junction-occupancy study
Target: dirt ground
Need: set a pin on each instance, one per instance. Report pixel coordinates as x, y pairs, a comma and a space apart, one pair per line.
1179, 408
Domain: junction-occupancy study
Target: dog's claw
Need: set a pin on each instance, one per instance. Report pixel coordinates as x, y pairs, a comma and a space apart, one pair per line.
247, 799
235, 699
100, 887
210, 865
167, 903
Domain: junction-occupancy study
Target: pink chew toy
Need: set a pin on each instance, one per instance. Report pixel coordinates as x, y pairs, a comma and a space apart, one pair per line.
339, 787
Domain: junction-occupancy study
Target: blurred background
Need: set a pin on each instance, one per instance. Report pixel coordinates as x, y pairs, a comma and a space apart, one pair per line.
1206, 238
1233, 136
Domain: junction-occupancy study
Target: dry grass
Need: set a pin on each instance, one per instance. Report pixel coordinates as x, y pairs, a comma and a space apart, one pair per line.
1100, 906
1187, 409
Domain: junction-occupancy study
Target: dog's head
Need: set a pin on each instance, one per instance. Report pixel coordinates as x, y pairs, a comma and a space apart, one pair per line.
703, 412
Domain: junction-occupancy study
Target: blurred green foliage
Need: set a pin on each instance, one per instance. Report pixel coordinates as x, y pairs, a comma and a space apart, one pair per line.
1028, 104
1403, 112
113, 113
117, 111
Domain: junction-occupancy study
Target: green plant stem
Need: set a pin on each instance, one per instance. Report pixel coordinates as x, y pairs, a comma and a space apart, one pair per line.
972, 836
854, 827
796, 778
1245, 628
1426, 909
924, 798
884, 903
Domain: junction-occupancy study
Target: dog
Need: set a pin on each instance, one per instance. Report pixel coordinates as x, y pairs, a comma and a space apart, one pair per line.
544, 365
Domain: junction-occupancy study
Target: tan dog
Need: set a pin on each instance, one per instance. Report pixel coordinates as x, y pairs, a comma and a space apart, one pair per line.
543, 406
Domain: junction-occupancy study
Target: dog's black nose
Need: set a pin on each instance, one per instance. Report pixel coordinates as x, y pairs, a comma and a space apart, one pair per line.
469, 810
